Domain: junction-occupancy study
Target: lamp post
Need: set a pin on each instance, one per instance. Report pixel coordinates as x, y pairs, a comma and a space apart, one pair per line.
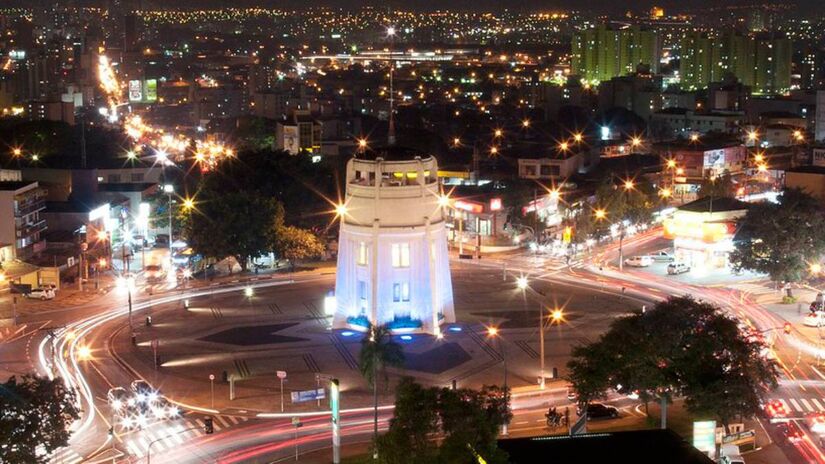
492, 332
212, 388
169, 189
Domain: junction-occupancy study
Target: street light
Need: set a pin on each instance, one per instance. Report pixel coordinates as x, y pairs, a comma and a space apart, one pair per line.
493, 150
525, 123
188, 204
816, 268
498, 133
341, 210
169, 189
665, 192
492, 332
694, 137
362, 145
578, 137
521, 282
628, 184
563, 146
635, 142
456, 142
600, 214
84, 353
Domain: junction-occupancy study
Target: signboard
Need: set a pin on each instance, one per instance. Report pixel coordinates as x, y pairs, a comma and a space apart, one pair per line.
580, 426
704, 436
714, 158
468, 206
292, 142
308, 395
150, 94
334, 407
495, 204
818, 157
281, 374
135, 91
567, 235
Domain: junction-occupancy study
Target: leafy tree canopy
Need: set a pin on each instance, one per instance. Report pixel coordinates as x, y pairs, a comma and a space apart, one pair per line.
34, 412
680, 347
781, 239
468, 420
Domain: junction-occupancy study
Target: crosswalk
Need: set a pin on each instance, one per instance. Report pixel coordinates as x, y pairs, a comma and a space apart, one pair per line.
169, 435
161, 436
753, 289
802, 405
65, 456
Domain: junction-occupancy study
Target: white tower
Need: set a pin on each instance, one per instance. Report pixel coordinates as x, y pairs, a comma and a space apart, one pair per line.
393, 265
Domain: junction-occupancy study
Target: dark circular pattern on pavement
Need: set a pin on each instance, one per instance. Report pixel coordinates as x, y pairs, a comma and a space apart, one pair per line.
253, 335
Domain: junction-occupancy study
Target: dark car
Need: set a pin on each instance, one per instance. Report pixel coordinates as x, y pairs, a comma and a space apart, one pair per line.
599, 411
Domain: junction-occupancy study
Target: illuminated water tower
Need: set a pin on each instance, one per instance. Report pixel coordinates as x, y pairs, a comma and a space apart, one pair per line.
393, 264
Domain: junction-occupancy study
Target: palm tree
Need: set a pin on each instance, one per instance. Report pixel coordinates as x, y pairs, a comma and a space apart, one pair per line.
378, 351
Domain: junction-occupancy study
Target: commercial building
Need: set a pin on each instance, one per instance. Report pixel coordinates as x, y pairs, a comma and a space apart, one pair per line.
393, 265
20, 222
602, 53
702, 231
762, 63
811, 179
301, 132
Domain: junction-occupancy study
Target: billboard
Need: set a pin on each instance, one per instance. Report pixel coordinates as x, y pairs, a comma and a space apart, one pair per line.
135, 91
292, 142
150, 95
818, 157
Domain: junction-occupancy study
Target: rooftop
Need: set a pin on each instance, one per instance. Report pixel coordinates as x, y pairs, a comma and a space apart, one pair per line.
710, 204
10, 186
392, 153
658, 445
808, 169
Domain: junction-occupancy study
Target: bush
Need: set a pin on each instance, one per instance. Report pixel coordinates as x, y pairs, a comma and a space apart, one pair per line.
788, 299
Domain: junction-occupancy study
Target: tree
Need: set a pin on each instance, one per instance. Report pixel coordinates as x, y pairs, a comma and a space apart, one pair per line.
378, 351
468, 422
238, 224
717, 186
680, 347
34, 412
781, 239
296, 244
415, 419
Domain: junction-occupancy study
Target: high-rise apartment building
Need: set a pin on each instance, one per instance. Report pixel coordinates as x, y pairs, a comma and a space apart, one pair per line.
603, 53
762, 63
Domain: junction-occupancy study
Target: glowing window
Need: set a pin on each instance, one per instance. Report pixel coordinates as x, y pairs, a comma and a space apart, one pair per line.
400, 255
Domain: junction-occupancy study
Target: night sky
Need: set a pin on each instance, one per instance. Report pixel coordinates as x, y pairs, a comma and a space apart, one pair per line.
812, 6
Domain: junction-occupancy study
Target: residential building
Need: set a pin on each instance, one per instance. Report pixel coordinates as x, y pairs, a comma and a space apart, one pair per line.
762, 63
20, 223
602, 53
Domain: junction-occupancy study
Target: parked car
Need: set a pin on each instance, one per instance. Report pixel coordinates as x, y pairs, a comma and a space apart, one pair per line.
41, 294
663, 257
639, 261
677, 268
816, 306
599, 411
814, 319
154, 272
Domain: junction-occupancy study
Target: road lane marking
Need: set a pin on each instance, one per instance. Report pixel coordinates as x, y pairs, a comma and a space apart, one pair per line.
223, 421
785, 405
133, 448
816, 403
795, 404
806, 404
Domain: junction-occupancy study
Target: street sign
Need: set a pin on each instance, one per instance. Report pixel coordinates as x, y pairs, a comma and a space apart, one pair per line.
704, 436
308, 395
296, 422
281, 374
580, 426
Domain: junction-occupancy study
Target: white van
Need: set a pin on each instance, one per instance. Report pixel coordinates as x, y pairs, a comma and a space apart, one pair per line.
729, 454
639, 261
677, 268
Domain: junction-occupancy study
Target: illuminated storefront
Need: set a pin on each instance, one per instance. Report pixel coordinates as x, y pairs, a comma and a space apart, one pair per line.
702, 231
